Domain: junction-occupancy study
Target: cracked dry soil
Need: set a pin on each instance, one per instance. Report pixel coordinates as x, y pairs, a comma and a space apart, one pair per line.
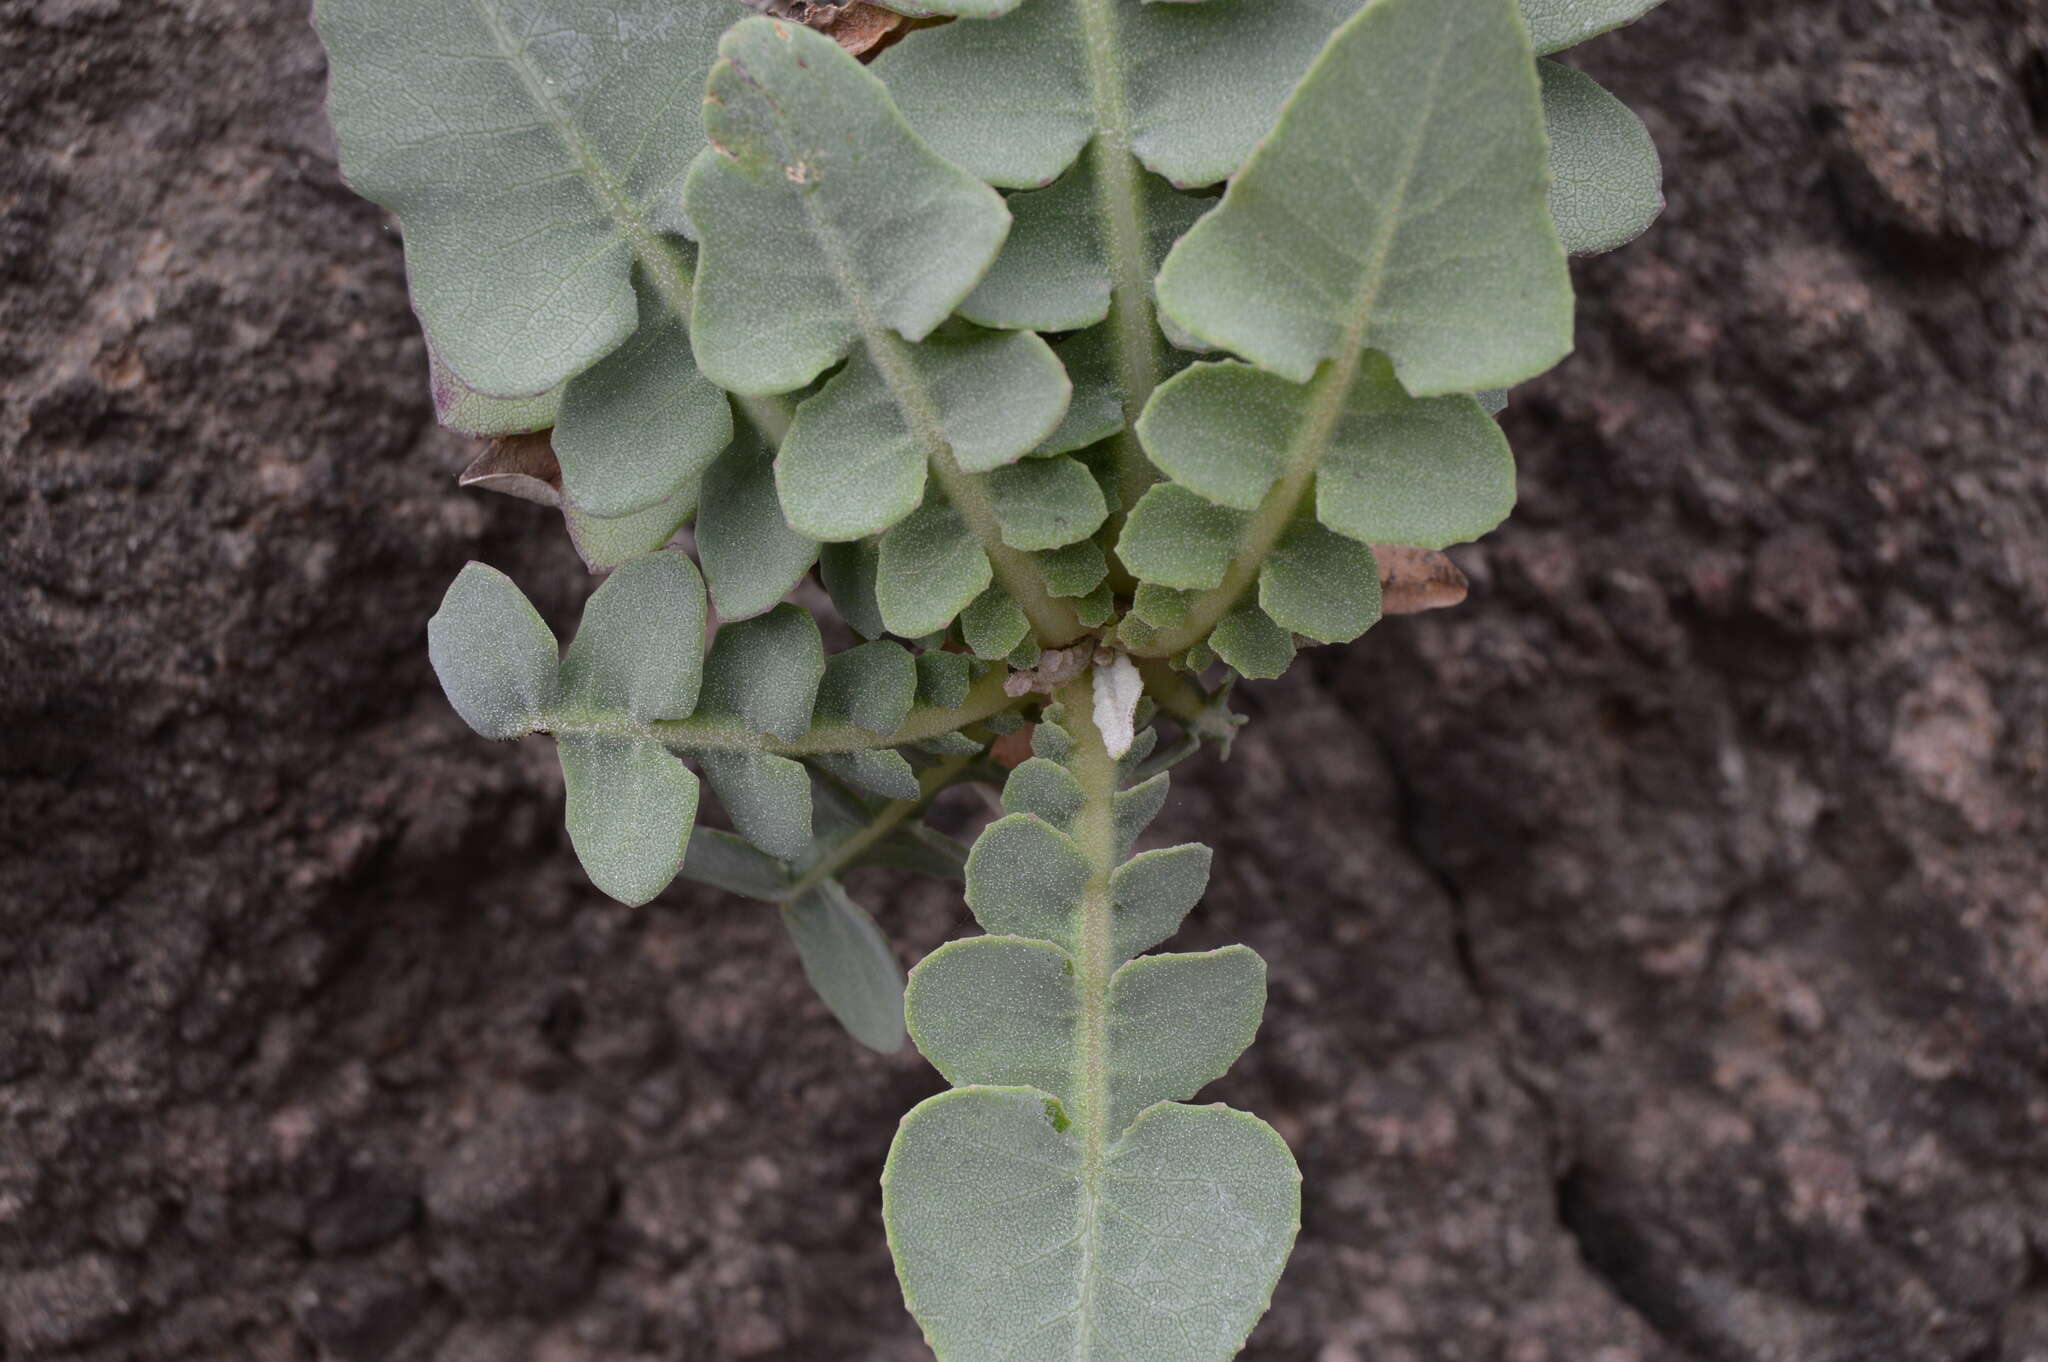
1659, 942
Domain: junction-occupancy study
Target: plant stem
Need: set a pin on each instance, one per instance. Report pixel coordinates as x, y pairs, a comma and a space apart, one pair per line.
930, 782
1094, 830
1120, 211
722, 734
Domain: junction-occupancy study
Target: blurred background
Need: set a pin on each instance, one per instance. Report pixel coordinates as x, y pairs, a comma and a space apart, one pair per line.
1659, 941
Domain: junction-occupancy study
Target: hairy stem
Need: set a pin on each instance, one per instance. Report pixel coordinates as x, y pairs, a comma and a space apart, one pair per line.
1119, 205
698, 734
1095, 831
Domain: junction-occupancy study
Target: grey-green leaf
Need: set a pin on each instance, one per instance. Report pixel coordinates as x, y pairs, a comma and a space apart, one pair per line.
848, 570
1153, 892
1175, 538
928, 570
766, 672
752, 559
631, 803
603, 543
1188, 88
769, 798
730, 863
853, 464
641, 425
993, 624
460, 407
849, 963
872, 686
524, 146
1558, 24
1607, 182
494, 655
1320, 584
997, 1009
1054, 271
1400, 203
818, 208
1177, 1023
1024, 878
1253, 644
1010, 1245
1046, 503
640, 648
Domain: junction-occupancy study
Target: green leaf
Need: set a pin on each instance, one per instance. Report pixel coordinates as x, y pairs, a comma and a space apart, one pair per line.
997, 1009
1054, 273
1154, 891
631, 804
460, 407
1607, 183
1074, 570
769, 798
1096, 411
766, 672
849, 963
1162, 607
1401, 470
1136, 808
1189, 89
640, 648
494, 655
1177, 1023
1046, 789
817, 209
943, 679
726, 862
1025, 878
1432, 243
872, 686
854, 461
1014, 1239
1320, 584
878, 771
992, 625
640, 426
752, 559
1253, 644
1046, 503
848, 571
1175, 538
524, 147
604, 544
1558, 24
929, 569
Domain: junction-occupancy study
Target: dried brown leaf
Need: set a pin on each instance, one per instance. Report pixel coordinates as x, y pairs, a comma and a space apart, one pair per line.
1413, 580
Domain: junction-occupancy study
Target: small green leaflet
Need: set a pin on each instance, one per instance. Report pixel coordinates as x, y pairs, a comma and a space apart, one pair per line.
849, 963
1607, 183
495, 657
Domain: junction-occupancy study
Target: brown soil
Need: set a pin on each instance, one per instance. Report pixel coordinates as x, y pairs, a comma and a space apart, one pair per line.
1659, 941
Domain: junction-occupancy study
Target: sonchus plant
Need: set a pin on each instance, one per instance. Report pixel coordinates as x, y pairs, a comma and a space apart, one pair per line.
1084, 350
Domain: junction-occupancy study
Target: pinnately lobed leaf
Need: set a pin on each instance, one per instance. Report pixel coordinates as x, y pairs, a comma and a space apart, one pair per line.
526, 147
1058, 1203
1400, 204
820, 214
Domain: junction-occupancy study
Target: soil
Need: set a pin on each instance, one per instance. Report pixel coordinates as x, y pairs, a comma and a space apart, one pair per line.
1659, 940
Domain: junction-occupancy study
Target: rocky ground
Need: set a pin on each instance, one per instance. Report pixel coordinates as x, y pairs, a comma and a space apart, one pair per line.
1659, 941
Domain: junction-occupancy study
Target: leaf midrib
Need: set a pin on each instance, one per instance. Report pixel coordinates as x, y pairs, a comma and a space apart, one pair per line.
1330, 389
670, 276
